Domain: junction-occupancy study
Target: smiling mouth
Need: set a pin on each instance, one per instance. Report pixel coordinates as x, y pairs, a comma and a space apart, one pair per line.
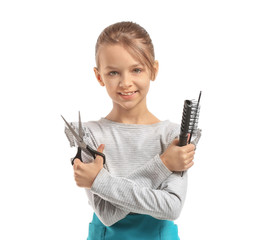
127, 93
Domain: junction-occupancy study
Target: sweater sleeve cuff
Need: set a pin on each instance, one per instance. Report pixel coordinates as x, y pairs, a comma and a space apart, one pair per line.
101, 181
158, 164
155, 172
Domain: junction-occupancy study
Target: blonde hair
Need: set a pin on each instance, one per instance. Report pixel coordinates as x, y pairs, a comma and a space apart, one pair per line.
134, 38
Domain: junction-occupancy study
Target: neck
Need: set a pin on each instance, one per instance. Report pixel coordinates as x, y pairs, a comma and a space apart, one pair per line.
132, 116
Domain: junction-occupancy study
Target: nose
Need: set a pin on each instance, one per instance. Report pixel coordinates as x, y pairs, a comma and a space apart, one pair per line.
125, 81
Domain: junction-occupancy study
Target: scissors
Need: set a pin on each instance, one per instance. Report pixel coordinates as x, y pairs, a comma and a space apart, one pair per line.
82, 146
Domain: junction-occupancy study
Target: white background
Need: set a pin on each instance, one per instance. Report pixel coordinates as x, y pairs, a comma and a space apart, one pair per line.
46, 69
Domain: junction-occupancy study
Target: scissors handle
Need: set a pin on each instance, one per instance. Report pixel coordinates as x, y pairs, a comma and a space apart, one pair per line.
78, 155
93, 152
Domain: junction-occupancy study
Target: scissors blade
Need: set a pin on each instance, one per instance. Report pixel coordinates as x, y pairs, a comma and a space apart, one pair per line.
81, 131
79, 139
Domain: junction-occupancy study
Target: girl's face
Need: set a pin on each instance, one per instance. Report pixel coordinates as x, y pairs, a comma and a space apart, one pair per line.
127, 81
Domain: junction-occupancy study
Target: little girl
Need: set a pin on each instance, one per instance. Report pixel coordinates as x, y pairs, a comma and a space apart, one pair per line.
138, 193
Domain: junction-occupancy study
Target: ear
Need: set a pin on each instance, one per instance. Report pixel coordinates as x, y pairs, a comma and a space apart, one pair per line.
98, 77
156, 69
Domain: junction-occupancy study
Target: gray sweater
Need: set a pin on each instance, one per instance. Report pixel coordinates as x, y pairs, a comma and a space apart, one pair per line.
134, 178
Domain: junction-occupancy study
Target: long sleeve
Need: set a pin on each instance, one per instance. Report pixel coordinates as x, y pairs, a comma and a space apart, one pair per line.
163, 203
151, 175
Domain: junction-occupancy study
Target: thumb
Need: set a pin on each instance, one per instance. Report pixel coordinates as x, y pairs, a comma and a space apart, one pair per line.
76, 163
99, 159
101, 148
175, 142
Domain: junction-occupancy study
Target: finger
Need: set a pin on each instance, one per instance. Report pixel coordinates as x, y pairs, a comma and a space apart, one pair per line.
100, 148
99, 159
188, 137
190, 147
175, 142
189, 165
189, 159
191, 154
76, 163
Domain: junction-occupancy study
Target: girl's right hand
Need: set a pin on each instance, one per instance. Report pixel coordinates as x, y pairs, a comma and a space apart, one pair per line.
178, 159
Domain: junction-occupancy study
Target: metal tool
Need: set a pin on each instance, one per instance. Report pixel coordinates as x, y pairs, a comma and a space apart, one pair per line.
189, 121
82, 146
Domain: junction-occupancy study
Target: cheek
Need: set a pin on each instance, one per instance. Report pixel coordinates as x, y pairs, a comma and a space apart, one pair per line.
111, 87
145, 86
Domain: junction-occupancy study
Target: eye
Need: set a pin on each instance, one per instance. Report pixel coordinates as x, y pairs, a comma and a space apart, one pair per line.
113, 73
137, 70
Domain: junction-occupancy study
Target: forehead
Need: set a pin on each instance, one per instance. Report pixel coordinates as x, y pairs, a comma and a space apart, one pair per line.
115, 55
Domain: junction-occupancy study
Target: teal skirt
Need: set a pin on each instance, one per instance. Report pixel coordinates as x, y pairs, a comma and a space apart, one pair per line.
133, 227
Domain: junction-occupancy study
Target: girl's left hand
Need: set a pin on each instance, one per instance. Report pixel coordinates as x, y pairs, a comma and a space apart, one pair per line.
85, 173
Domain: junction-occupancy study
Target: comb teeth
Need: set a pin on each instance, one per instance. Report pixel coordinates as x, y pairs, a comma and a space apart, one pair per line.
190, 117
189, 123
